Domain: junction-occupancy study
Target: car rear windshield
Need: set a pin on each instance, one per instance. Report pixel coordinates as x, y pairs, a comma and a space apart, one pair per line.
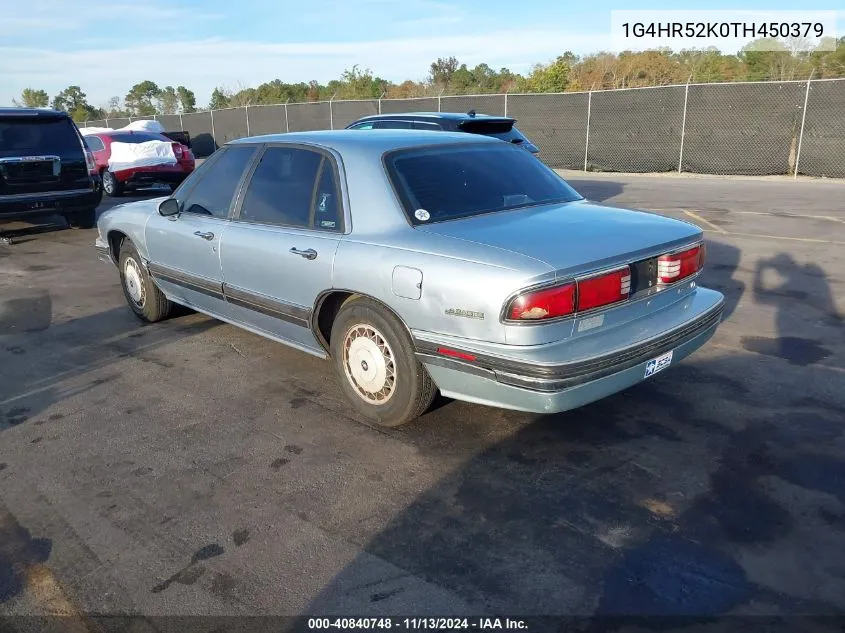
457, 181
136, 137
38, 135
502, 129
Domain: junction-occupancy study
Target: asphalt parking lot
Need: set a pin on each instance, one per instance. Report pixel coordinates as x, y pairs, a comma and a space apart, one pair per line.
190, 467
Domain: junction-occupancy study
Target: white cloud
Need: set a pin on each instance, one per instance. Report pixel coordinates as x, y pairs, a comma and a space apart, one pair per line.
203, 64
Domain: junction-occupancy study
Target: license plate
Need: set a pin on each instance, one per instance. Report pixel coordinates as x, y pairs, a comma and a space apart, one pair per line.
658, 364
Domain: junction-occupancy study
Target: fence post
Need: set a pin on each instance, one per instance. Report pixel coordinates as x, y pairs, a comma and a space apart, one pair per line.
331, 112
506, 102
213, 135
683, 126
181, 124
803, 119
107, 121
287, 124
438, 100
384, 92
246, 109
587, 144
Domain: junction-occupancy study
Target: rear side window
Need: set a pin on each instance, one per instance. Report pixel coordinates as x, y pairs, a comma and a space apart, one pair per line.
38, 136
213, 194
392, 125
94, 143
292, 186
137, 137
457, 181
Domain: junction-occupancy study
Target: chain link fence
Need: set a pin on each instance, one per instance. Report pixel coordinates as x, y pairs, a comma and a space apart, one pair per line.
755, 128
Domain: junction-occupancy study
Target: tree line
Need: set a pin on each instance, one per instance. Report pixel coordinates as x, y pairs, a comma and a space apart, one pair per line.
447, 76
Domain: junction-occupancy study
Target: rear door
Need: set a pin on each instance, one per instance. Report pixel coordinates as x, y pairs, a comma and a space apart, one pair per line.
41, 153
277, 255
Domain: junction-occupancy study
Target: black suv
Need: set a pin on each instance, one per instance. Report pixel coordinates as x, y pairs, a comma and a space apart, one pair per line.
45, 168
501, 127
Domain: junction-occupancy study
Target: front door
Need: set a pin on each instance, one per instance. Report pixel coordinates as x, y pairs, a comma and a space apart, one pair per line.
184, 249
277, 254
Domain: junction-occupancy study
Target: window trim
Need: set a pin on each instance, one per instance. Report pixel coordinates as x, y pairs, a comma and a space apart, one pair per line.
211, 161
339, 183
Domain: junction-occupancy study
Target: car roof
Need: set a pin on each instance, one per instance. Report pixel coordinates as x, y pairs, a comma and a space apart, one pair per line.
46, 113
373, 140
451, 116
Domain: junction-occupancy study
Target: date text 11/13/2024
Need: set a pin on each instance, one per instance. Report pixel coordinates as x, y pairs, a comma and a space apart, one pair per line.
413, 624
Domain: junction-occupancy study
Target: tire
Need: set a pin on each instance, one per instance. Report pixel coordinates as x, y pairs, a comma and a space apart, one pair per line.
365, 368
86, 219
145, 300
111, 185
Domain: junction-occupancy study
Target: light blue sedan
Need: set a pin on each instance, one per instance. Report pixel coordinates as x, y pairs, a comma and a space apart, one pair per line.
420, 261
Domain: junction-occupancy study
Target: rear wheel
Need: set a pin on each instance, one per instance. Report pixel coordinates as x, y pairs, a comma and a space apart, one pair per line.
145, 300
111, 185
375, 361
86, 219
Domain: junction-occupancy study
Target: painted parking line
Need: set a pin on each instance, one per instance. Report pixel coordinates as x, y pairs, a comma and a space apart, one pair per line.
708, 223
797, 216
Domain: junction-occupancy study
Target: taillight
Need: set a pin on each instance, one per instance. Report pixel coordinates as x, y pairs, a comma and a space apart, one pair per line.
177, 150
577, 296
543, 304
90, 162
671, 268
604, 289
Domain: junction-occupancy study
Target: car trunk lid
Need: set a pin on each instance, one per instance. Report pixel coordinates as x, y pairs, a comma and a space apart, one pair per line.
574, 237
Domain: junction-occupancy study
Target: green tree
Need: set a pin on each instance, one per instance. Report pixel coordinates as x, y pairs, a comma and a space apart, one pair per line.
139, 100
219, 99
553, 77
168, 100
31, 98
187, 99
70, 99
441, 72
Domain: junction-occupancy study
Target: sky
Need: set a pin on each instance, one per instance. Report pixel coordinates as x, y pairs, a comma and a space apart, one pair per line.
107, 46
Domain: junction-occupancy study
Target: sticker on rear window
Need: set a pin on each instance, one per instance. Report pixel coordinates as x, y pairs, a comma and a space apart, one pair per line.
422, 215
327, 224
324, 201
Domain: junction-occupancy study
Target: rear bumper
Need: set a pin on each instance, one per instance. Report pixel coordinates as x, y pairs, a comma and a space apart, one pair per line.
172, 175
517, 383
48, 203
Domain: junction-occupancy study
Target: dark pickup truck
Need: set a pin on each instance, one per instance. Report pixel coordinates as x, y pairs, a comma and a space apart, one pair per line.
45, 168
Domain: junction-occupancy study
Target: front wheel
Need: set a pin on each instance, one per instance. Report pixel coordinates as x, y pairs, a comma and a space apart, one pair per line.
111, 185
145, 300
375, 361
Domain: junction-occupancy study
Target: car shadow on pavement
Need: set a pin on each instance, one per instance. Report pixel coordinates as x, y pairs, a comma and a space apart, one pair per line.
688, 495
43, 364
20, 232
720, 270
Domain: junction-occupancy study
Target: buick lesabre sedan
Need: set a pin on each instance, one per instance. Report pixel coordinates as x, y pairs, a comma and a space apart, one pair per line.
420, 261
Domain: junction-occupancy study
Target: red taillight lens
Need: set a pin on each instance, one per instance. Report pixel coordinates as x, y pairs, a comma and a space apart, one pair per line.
671, 268
604, 289
90, 162
543, 304
445, 351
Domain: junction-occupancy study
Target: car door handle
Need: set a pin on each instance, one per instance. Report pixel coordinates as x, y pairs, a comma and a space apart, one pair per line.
309, 254
205, 236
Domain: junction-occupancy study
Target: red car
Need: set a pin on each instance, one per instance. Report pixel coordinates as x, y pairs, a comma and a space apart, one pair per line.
115, 182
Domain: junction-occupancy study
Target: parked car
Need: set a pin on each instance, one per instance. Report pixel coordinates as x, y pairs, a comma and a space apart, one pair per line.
500, 127
140, 173
45, 169
420, 261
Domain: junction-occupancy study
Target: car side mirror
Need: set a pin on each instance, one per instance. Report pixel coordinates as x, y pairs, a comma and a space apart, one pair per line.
169, 207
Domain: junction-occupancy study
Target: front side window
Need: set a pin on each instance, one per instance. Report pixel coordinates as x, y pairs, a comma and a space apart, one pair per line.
295, 187
448, 182
212, 195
